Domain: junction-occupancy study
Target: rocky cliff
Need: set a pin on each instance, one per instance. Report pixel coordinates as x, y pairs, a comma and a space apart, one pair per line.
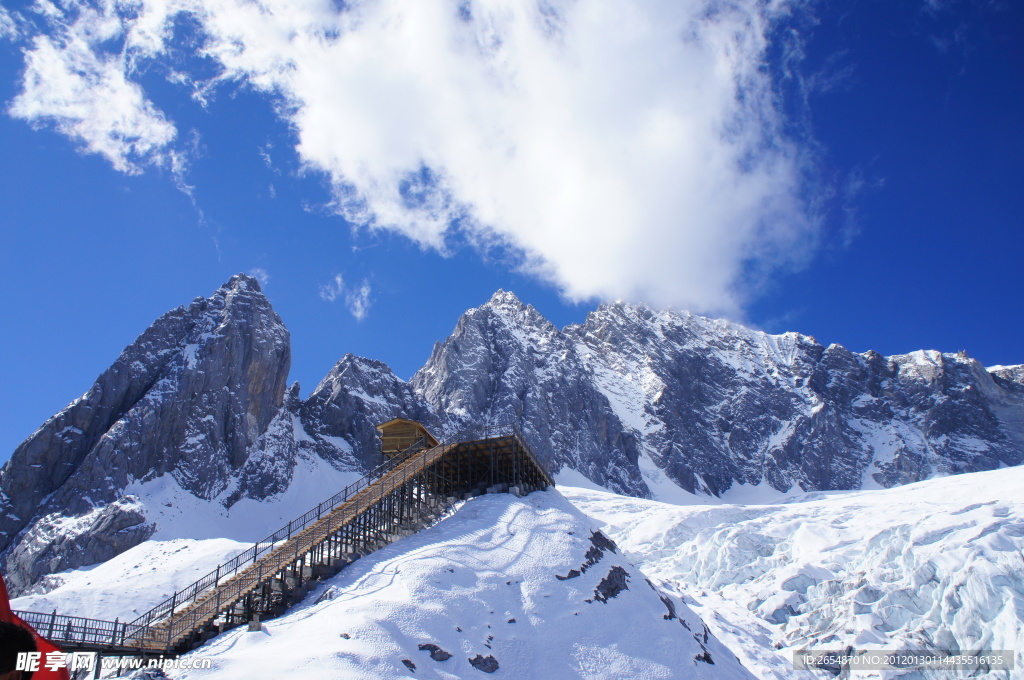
643, 402
188, 398
634, 396
506, 363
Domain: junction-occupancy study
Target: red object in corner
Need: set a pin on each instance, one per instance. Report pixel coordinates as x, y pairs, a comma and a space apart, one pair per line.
42, 644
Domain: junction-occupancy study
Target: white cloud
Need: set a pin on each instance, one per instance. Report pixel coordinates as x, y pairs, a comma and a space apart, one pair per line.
261, 275
8, 25
357, 300
332, 290
264, 152
628, 148
74, 82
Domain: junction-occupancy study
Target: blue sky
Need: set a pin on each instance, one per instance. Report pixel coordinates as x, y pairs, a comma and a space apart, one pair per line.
850, 170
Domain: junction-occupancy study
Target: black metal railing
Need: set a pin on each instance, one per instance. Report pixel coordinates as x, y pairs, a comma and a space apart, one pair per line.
232, 592
191, 592
137, 632
75, 631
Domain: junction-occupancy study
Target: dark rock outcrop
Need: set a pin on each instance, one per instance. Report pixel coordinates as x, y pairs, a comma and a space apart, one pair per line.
634, 395
358, 394
505, 363
436, 653
611, 585
187, 398
635, 399
487, 664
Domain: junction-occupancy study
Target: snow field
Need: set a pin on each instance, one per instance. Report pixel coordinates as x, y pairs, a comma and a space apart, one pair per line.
179, 514
482, 584
132, 583
937, 565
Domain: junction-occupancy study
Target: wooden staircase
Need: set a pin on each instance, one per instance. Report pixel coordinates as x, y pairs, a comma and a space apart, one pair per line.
402, 496
173, 631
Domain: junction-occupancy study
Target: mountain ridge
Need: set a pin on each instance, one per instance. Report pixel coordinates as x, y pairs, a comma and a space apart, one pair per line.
643, 402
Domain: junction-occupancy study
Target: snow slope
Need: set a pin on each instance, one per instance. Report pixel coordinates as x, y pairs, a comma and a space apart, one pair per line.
191, 537
937, 565
934, 565
176, 513
480, 585
133, 582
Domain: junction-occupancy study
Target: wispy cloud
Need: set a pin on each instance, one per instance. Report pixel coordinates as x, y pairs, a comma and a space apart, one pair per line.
8, 25
264, 152
357, 300
73, 82
332, 290
261, 275
623, 149
951, 30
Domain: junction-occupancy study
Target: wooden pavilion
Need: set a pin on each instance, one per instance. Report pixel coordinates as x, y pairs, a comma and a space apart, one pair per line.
399, 434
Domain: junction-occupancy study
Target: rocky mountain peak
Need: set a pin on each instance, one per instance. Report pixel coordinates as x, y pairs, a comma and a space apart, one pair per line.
504, 299
644, 402
506, 309
241, 283
353, 372
186, 399
1010, 375
620, 322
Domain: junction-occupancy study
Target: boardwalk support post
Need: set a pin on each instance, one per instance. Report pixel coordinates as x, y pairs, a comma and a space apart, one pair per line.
401, 496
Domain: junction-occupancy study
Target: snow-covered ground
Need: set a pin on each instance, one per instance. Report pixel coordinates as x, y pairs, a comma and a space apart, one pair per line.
937, 565
192, 537
133, 582
180, 514
518, 587
482, 585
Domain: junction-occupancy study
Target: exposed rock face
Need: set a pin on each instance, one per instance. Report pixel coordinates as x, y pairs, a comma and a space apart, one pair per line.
56, 542
187, 398
336, 423
723, 404
357, 395
633, 395
505, 363
637, 400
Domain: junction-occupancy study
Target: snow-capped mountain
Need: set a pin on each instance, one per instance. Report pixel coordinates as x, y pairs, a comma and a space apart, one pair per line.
644, 402
185, 436
186, 399
194, 420
506, 363
357, 395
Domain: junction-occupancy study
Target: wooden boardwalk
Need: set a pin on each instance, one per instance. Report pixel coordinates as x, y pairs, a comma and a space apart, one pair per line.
402, 496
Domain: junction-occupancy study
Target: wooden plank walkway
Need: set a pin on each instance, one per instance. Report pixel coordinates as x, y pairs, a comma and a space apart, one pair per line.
401, 496
181, 624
